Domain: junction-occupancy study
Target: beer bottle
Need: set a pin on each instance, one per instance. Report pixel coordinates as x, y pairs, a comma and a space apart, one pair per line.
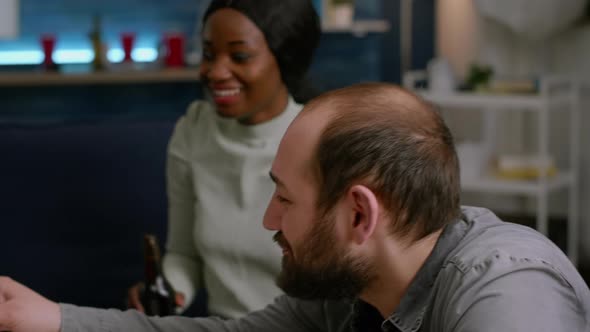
158, 297
97, 44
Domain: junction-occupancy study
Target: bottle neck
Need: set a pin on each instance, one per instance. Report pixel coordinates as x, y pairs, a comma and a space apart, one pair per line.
153, 268
153, 262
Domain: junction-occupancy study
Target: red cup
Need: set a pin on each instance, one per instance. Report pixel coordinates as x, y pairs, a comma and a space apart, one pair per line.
48, 46
127, 41
174, 50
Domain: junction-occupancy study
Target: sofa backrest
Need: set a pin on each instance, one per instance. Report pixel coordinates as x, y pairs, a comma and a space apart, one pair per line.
75, 200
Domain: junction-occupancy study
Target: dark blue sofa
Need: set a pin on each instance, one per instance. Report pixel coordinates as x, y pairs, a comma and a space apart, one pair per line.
82, 177
75, 200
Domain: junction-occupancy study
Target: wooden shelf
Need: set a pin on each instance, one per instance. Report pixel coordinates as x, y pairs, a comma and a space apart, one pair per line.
489, 184
478, 100
511, 102
23, 79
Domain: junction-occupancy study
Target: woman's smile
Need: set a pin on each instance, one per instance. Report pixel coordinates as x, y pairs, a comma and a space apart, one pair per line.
226, 96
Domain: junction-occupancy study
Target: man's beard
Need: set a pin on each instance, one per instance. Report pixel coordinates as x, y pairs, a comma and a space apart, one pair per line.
322, 270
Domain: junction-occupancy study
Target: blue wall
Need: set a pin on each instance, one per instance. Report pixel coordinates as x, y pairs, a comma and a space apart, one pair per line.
341, 59
71, 20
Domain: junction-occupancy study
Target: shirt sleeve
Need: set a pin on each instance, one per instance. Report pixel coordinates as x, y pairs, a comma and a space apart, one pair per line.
518, 295
182, 263
284, 315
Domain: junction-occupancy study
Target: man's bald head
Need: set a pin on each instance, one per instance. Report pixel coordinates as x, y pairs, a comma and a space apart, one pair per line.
395, 143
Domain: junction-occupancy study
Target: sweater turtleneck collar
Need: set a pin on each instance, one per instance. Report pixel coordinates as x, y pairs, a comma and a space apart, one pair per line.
231, 128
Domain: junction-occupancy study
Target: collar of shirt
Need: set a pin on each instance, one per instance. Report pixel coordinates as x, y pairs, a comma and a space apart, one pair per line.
410, 312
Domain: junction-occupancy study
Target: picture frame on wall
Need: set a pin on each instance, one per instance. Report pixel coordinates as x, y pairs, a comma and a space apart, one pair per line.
335, 13
9, 19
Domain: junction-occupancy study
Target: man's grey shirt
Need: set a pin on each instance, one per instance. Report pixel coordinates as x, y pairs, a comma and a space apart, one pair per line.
482, 275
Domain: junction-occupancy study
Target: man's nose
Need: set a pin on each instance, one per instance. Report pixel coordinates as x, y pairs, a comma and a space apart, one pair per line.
272, 219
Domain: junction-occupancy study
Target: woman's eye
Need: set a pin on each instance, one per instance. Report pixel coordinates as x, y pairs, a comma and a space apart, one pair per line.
240, 57
207, 55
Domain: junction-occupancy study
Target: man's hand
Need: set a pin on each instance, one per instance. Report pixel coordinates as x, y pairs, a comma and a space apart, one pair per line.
23, 310
134, 297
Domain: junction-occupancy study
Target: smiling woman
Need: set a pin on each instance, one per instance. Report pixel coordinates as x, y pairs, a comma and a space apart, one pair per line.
239, 70
222, 148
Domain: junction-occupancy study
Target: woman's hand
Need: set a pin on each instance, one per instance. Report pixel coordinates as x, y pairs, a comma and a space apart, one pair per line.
23, 310
179, 300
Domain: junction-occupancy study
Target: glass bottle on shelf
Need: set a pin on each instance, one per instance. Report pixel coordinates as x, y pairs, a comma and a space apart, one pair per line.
97, 43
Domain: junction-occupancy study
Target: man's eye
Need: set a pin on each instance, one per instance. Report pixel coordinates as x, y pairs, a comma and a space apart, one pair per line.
282, 199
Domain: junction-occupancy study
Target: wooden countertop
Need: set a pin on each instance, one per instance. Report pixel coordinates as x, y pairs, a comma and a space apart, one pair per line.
23, 79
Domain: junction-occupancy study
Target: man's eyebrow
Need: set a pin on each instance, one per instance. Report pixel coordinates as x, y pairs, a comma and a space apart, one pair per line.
279, 183
276, 180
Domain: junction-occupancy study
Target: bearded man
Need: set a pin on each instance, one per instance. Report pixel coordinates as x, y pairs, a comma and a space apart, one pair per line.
367, 213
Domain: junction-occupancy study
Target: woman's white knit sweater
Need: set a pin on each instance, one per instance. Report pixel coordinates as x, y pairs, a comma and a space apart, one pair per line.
218, 189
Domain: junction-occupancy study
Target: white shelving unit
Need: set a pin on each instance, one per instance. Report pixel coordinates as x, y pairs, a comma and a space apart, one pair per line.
556, 94
340, 18
359, 28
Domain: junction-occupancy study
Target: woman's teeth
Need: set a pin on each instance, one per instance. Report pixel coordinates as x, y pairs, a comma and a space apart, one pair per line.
226, 92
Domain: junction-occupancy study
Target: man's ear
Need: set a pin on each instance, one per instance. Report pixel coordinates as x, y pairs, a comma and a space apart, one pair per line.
365, 212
